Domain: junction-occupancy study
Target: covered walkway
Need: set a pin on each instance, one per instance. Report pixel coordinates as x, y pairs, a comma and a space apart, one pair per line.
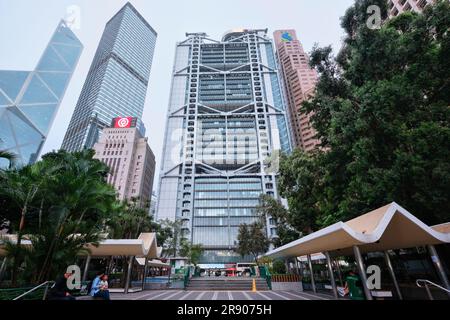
144, 250
388, 228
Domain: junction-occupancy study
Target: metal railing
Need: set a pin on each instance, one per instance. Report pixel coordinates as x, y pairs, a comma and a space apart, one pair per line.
44, 296
423, 283
268, 277
186, 279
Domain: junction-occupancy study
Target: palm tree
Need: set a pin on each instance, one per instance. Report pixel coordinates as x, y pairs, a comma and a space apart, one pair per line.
80, 200
64, 198
22, 187
9, 156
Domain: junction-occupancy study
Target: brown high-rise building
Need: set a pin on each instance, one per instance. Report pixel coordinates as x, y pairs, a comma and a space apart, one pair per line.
130, 159
299, 80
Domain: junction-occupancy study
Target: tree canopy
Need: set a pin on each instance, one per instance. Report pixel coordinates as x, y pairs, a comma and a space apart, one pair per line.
252, 240
381, 110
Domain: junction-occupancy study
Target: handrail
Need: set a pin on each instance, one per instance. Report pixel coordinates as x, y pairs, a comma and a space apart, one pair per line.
424, 283
46, 283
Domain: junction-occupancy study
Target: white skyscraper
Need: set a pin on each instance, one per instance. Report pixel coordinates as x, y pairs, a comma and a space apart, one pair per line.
226, 117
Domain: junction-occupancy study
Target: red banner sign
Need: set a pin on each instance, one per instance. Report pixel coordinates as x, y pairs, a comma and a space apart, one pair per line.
124, 122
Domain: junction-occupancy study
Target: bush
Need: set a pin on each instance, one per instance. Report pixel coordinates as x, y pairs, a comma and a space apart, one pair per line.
279, 267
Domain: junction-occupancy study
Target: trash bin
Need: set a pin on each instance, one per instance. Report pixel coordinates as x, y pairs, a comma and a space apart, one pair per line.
355, 288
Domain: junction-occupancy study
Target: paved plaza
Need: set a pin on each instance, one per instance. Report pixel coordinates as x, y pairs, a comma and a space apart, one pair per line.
219, 295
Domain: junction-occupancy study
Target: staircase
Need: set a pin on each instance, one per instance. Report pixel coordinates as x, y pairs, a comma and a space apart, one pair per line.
226, 284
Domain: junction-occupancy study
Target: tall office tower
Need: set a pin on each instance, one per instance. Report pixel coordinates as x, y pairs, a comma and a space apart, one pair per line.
226, 117
395, 7
29, 100
117, 81
299, 81
130, 159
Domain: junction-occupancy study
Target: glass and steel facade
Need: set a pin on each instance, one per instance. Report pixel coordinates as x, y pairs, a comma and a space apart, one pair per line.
226, 117
29, 100
117, 81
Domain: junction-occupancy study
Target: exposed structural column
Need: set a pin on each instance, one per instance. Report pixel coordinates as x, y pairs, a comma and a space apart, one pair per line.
362, 272
330, 269
299, 267
287, 265
127, 281
338, 269
3, 268
313, 283
439, 267
144, 276
387, 258
86, 268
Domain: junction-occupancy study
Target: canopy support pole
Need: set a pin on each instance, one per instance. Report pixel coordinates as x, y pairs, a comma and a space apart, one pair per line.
439, 267
387, 258
299, 267
362, 272
3, 268
338, 268
144, 276
313, 283
130, 265
86, 268
330, 269
286, 265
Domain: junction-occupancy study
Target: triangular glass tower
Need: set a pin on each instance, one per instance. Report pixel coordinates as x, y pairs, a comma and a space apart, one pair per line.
29, 100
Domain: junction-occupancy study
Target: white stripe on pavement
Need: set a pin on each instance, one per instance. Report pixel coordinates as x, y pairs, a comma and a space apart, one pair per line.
296, 295
138, 297
172, 295
186, 295
247, 296
314, 296
279, 295
230, 296
200, 295
264, 296
215, 295
156, 296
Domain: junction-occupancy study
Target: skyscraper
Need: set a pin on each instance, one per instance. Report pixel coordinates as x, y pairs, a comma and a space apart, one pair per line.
395, 7
29, 100
299, 82
117, 81
130, 159
226, 118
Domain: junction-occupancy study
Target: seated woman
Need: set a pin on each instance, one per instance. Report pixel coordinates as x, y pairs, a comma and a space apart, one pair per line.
100, 287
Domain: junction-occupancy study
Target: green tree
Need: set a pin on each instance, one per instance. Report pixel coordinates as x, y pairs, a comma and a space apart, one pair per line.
129, 219
270, 207
174, 237
192, 252
279, 267
252, 240
381, 110
60, 203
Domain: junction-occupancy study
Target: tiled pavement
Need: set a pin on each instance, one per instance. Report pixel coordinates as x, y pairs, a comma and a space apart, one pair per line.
219, 295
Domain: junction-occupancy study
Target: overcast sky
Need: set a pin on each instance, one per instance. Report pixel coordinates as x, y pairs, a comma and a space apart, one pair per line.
27, 25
